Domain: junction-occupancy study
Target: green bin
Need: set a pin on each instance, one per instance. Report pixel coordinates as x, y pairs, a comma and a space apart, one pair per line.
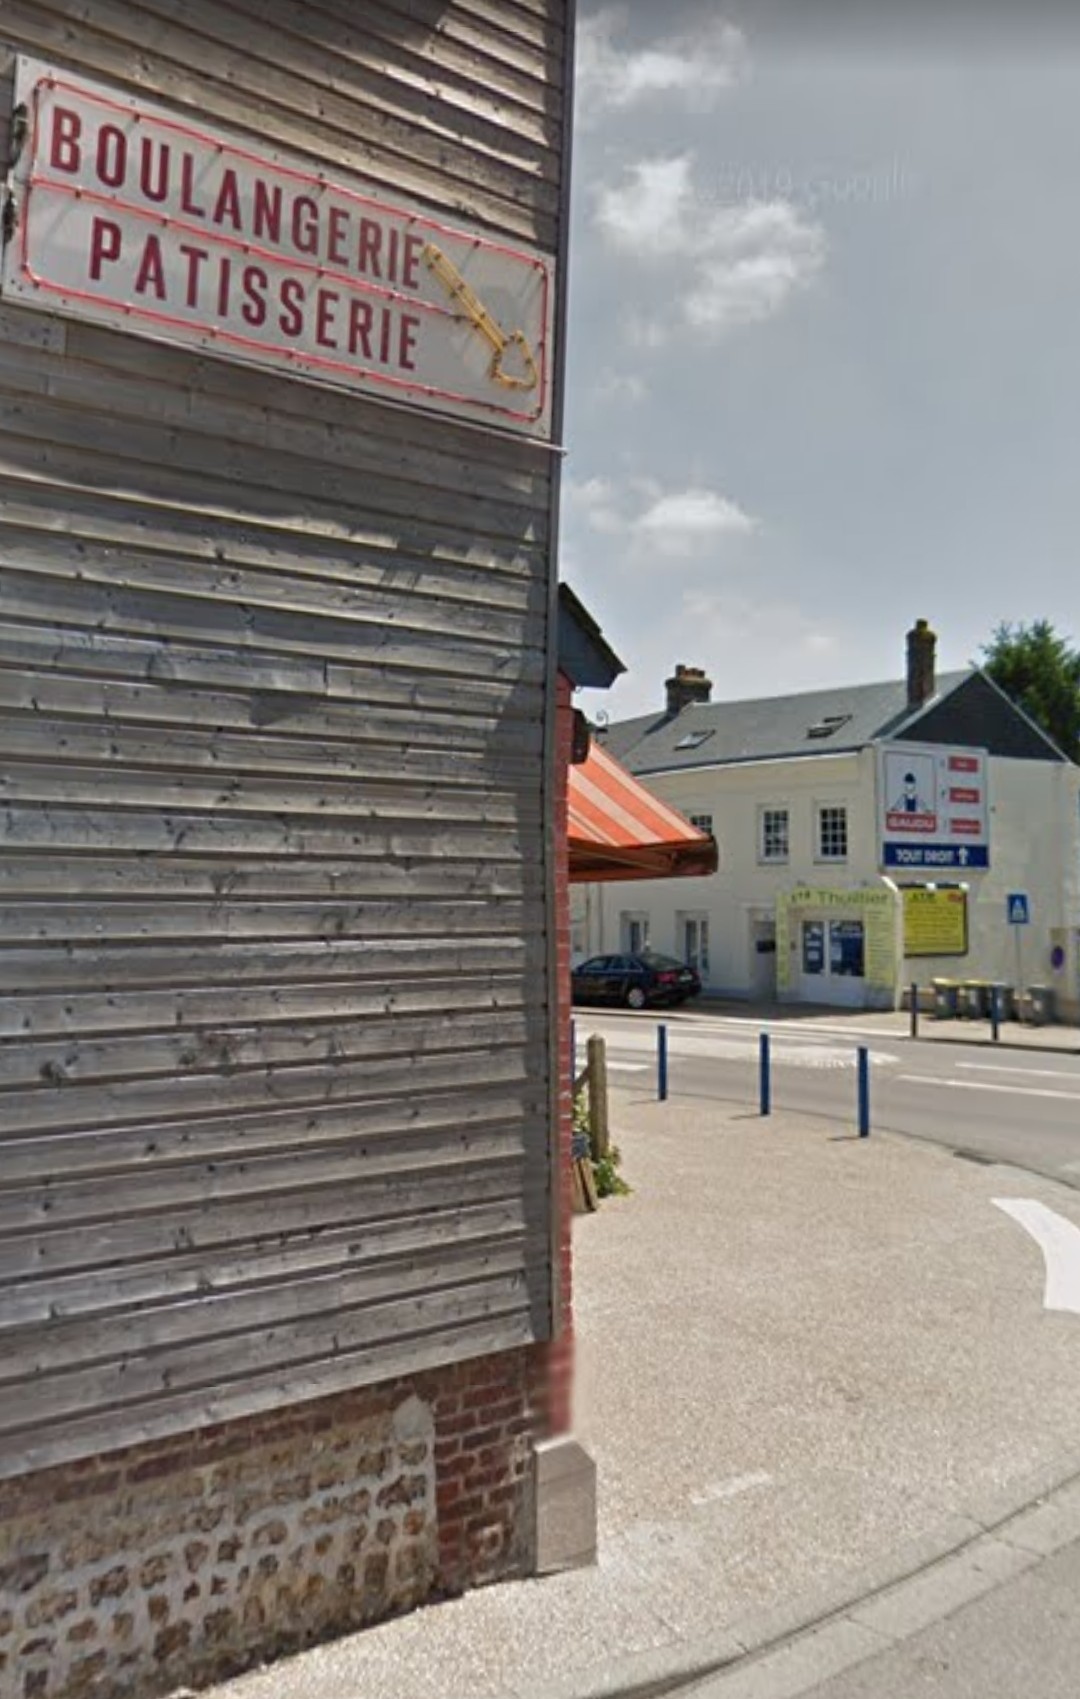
945, 999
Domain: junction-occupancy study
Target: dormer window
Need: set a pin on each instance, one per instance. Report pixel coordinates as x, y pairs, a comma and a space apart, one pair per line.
828, 725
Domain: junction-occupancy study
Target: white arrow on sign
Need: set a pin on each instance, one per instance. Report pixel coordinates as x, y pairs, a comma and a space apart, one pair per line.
1059, 1241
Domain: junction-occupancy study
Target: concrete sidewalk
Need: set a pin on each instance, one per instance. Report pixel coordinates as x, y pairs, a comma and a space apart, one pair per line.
809, 1365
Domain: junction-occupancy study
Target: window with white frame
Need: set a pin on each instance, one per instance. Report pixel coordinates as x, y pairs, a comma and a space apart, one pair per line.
634, 928
774, 840
832, 832
703, 822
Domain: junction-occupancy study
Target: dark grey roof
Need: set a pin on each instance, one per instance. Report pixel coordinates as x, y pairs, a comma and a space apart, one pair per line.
585, 655
818, 722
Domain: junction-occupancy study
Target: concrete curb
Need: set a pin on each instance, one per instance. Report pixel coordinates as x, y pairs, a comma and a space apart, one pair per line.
783, 1652
988, 1043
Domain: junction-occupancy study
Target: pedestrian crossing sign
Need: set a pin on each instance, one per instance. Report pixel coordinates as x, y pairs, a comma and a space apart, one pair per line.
1018, 908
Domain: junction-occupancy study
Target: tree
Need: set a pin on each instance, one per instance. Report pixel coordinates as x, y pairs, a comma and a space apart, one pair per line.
1040, 671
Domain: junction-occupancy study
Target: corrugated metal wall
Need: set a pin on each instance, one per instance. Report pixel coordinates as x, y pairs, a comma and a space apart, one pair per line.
274, 1087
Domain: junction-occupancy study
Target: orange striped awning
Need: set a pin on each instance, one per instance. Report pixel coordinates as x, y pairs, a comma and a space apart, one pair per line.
619, 830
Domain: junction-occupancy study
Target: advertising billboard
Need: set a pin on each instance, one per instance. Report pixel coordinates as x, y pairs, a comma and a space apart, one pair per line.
935, 922
932, 807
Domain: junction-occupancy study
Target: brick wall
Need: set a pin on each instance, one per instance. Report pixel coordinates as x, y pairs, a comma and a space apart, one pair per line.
183, 1561
186, 1560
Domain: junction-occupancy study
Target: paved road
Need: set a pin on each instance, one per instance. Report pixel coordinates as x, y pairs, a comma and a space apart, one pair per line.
1021, 1639
1005, 1626
1001, 1105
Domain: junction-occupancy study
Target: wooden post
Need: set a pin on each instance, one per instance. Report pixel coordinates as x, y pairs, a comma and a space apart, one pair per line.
598, 1098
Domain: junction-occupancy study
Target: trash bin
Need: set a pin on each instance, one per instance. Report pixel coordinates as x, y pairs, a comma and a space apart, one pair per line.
971, 1000
1006, 1001
945, 999
1041, 1004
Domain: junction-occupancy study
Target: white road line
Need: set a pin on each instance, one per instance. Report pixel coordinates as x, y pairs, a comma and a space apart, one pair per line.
763, 1024
984, 1085
628, 1067
731, 1488
1059, 1241
1037, 1073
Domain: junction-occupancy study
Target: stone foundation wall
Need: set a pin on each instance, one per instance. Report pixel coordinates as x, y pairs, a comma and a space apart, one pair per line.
187, 1560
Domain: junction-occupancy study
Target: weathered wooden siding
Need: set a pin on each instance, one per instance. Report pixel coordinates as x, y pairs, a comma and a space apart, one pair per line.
274, 1080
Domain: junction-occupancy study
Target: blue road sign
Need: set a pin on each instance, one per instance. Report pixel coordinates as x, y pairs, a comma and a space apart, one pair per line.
1018, 908
936, 855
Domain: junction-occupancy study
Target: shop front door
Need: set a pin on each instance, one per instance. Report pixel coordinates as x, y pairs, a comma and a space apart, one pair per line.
833, 962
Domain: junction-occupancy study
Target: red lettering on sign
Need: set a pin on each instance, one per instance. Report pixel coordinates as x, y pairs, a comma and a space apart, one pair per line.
336, 231
305, 224
151, 272
898, 820
291, 319
324, 318
414, 247
367, 256
360, 327
266, 211
224, 281
188, 202
111, 156
963, 763
195, 258
965, 828
407, 343
964, 793
65, 154
154, 169
227, 205
104, 245
255, 284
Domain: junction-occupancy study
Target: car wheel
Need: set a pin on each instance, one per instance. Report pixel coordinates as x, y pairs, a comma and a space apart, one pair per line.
635, 997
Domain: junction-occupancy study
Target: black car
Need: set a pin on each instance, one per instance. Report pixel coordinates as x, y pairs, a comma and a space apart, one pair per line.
636, 980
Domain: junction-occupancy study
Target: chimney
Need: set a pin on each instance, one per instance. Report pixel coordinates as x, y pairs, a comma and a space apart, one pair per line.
688, 684
921, 649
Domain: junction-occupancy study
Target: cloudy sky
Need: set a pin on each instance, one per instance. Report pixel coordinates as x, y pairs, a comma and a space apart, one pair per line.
824, 357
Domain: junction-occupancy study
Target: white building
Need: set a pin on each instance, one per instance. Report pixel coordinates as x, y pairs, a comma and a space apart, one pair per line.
870, 837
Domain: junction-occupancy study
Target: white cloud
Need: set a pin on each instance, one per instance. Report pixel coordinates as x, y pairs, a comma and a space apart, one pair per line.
649, 216
736, 265
620, 387
697, 65
674, 524
681, 523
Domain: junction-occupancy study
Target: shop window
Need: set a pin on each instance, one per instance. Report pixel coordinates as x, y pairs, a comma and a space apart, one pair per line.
775, 834
847, 949
832, 832
813, 946
703, 822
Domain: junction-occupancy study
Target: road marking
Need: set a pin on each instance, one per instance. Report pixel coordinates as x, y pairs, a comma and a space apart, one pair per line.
808, 1031
1059, 1241
1036, 1073
985, 1085
731, 1488
628, 1067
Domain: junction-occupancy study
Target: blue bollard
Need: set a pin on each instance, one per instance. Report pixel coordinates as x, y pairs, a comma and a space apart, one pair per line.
661, 1062
764, 1074
864, 1092
914, 1011
995, 1013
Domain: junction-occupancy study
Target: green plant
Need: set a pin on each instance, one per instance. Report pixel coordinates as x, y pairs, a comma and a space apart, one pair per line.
609, 1182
